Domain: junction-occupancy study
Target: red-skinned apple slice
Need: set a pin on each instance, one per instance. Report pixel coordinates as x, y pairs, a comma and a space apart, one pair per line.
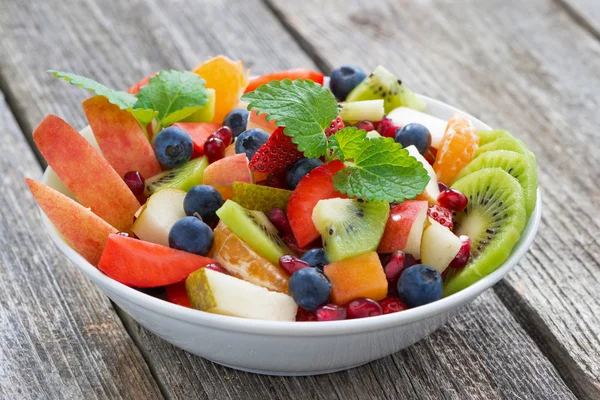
223, 173
432, 190
439, 246
120, 137
404, 228
85, 232
87, 174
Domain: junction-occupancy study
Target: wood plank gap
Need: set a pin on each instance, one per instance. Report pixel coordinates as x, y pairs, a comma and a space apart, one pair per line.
579, 18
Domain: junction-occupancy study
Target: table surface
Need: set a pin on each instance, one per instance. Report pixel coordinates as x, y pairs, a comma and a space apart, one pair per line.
532, 67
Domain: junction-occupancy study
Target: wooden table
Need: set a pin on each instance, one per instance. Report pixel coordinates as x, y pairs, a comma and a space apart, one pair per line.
532, 67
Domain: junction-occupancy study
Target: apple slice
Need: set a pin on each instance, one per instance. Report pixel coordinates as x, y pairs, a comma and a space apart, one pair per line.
215, 292
432, 191
260, 122
120, 137
85, 232
404, 228
223, 173
437, 127
439, 246
85, 172
158, 216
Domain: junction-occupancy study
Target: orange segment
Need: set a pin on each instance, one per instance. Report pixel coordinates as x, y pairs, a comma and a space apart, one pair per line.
244, 263
459, 143
360, 276
229, 80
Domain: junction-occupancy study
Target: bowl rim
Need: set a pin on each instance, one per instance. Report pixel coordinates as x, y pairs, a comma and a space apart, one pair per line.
293, 328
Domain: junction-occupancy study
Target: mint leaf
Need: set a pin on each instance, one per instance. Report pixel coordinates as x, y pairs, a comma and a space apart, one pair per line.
123, 100
175, 95
382, 170
347, 143
304, 107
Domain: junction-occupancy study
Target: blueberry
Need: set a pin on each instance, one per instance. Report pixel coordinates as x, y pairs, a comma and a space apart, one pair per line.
414, 134
192, 235
316, 258
237, 120
300, 168
173, 147
250, 141
344, 79
419, 285
204, 200
309, 288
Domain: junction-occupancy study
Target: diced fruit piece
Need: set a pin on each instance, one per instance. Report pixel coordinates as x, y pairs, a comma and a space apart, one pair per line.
135, 89
464, 254
316, 258
300, 169
260, 121
385, 125
237, 121
177, 294
218, 293
224, 173
85, 232
382, 84
214, 148
183, 178
291, 264
86, 173
344, 79
260, 198
279, 220
419, 285
402, 116
315, 186
432, 190
371, 110
493, 219
293, 74
199, 132
242, 261
250, 141
330, 312
414, 134
254, 228
373, 135
336, 125
310, 288
120, 137
191, 234
203, 200
391, 305
158, 216
206, 113
360, 276
350, 227
276, 155
441, 215
404, 228
228, 78
363, 308
173, 147
457, 149
453, 200
439, 246
394, 266
143, 264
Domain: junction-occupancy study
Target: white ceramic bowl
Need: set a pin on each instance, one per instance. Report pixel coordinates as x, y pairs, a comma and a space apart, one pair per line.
292, 348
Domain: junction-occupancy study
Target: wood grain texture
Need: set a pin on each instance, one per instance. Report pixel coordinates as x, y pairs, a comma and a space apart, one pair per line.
585, 13
59, 336
526, 67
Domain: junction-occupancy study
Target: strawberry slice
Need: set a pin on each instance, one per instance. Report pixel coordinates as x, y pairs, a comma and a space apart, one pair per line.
316, 185
277, 154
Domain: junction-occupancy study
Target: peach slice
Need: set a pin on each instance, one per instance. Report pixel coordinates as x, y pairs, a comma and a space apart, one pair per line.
223, 173
404, 228
260, 121
85, 172
85, 232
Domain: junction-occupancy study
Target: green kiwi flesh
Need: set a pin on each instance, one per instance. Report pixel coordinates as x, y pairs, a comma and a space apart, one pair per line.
486, 137
183, 177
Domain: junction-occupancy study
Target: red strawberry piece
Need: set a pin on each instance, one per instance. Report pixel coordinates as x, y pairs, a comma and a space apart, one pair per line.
335, 126
441, 215
277, 154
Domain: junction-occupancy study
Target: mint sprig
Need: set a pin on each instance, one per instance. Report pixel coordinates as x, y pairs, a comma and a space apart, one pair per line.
347, 143
304, 107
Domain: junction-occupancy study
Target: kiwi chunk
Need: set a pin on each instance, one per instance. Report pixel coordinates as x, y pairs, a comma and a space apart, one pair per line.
493, 219
382, 84
486, 137
260, 198
183, 177
350, 227
254, 228
517, 165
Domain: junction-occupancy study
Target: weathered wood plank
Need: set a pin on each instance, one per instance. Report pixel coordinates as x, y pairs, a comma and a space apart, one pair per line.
586, 13
59, 336
525, 66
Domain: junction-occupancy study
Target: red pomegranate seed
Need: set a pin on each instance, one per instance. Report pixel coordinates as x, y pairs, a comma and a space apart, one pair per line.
303, 315
217, 267
464, 254
279, 219
442, 186
366, 125
135, 182
453, 200
224, 133
277, 181
394, 267
382, 125
291, 264
391, 305
362, 308
330, 312
391, 131
214, 149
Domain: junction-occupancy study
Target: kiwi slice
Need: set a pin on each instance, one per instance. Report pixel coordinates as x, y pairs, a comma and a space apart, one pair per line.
254, 228
350, 227
493, 219
505, 143
486, 137
382, 84
260, 198
517, 165
183, 177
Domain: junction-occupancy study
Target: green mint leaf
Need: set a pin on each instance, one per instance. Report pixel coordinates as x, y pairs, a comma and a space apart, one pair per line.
304, 107
347, 143
382, 170
123, 100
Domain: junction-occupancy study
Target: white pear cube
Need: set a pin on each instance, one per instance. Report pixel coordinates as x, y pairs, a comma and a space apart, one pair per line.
158, 215
439, 246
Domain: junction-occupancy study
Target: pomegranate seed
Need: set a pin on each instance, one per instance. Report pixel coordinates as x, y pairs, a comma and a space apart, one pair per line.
330, 312
453, 200
366, 125
135, 182
394, 267
224, 133
303, 315
291, 264
214, 149
442, 186
279, 219
382, 126
362, 308
391, 305
277, 181
464, 254
391, 131
217, 267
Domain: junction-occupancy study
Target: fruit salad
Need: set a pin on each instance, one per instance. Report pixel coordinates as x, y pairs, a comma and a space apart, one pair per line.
289, 196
